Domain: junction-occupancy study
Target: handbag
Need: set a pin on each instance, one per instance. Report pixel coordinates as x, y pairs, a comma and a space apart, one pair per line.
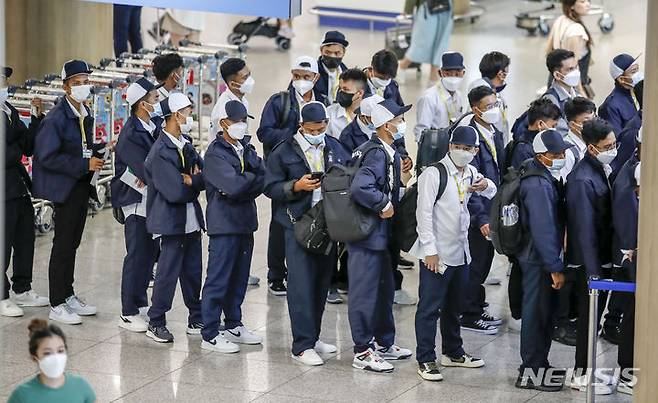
117, 212
311, 231
437, 6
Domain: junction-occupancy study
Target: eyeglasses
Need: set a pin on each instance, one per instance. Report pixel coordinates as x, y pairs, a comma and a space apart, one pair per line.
613, 146
497, 104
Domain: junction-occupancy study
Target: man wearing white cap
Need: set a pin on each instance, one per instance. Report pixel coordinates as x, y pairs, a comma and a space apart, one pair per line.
621, 105
174, 179
129, 201
361, 128
65, 159
279, 122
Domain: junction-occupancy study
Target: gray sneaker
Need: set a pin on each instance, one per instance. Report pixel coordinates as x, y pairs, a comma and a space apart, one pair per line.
253, 280
160, 334
333, 297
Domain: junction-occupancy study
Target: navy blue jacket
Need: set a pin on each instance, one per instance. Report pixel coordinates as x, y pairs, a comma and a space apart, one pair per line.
322, 85
287, 164
131, 150
272, 132
489, 167
523, 149
352, 136
167, 197
543, 218
19, 142
371, 188
627, 142
618, 108
392, 91
231, 191
589, 216
58, 161
625, 208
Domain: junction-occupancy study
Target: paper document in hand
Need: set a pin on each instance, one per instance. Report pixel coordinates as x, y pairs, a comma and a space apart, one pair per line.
94, 179
131, 180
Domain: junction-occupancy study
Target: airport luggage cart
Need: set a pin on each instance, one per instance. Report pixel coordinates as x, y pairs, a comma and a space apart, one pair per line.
595, 285
540, 19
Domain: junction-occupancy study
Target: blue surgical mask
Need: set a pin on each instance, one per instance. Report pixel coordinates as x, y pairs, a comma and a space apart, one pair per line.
558, 164
401, 131
315, 140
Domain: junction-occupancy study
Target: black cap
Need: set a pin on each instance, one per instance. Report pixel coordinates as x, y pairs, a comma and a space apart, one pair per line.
236, 111
6, 71
335, 37
452, 61
73, 68
314, 112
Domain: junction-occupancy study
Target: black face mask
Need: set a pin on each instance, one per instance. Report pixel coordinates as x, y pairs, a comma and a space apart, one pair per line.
344, 99
331, 62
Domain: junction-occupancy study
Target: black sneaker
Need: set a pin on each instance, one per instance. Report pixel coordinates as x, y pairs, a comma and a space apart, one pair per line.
489, 319
333, 297
565, 334
277, 288
612, 334
429, 371
526, 382
160, 334
404, 263
479, 327
194, 328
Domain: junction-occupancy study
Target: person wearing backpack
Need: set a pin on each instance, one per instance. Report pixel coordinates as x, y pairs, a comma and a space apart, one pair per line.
589, 232
489, 162
542, 115
376, 188
279, 122
292, 180
442, 104
442, 225
542, 216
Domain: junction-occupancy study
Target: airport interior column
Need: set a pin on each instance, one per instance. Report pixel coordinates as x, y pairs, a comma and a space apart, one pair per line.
42, 34
646, 323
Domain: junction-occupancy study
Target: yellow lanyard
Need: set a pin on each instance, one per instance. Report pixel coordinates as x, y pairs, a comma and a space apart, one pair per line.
83, 134
461, 191
637, 104
182, 157
315, 163
348, 117
492, 148
442, 95
241, 158
334, 89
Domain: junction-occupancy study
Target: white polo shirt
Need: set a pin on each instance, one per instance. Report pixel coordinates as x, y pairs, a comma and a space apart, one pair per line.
437, 108
220, 110
338, 120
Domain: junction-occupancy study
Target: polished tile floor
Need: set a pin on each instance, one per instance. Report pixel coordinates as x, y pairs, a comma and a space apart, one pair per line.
129, 367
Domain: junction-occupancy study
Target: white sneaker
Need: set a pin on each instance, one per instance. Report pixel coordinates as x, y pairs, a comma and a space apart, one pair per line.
580, 383
393, 353
80, 306
220, 345
134, 323
63, 313
403, 298
371, 361
465, 361
9, 308
514, 324
29, 298
241, 335
324, 348
309, 357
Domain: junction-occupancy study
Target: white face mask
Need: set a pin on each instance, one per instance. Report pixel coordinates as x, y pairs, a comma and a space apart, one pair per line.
302, 86
572, 79
4, 94
186, 127
237, 130
637, 77
461, 158
606, 157
81, 92
451, 83
491, 116
53, 365
380, 83
248, 85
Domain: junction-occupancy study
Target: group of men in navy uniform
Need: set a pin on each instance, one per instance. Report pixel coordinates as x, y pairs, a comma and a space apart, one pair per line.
575, 184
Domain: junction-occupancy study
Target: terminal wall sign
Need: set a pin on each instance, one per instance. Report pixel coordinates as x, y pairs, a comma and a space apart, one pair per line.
258, 8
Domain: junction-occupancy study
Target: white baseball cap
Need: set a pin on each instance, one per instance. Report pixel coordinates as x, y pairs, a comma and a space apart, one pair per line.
139, 89
306, 63
368, 104
386, 111
174, 102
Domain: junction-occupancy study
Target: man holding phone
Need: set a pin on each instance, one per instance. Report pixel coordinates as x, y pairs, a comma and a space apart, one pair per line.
443, 220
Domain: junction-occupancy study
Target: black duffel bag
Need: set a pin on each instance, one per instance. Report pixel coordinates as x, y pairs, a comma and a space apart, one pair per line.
311, 231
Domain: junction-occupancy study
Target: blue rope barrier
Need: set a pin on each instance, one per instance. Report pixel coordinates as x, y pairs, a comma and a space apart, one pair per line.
609, 285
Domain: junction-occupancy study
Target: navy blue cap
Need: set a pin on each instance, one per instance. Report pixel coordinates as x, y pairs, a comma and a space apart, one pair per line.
549, 141
465, 135
621, 63
235, 111
6, 71
314, 112
452, 61
335, 37
386, 111
73, 68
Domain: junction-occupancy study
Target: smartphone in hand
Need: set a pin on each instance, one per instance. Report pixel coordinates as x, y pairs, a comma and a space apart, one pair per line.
317, 175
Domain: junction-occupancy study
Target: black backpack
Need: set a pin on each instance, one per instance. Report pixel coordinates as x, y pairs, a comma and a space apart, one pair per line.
433, 144
404, 224
509, 153
346, 220
506, 229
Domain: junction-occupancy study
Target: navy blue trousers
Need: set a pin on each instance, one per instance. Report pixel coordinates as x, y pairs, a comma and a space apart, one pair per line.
372, 289
276, 251
440, 294
309, 277
137, 265
229, 260
180, 257
482, 253
127, 28
540, 301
